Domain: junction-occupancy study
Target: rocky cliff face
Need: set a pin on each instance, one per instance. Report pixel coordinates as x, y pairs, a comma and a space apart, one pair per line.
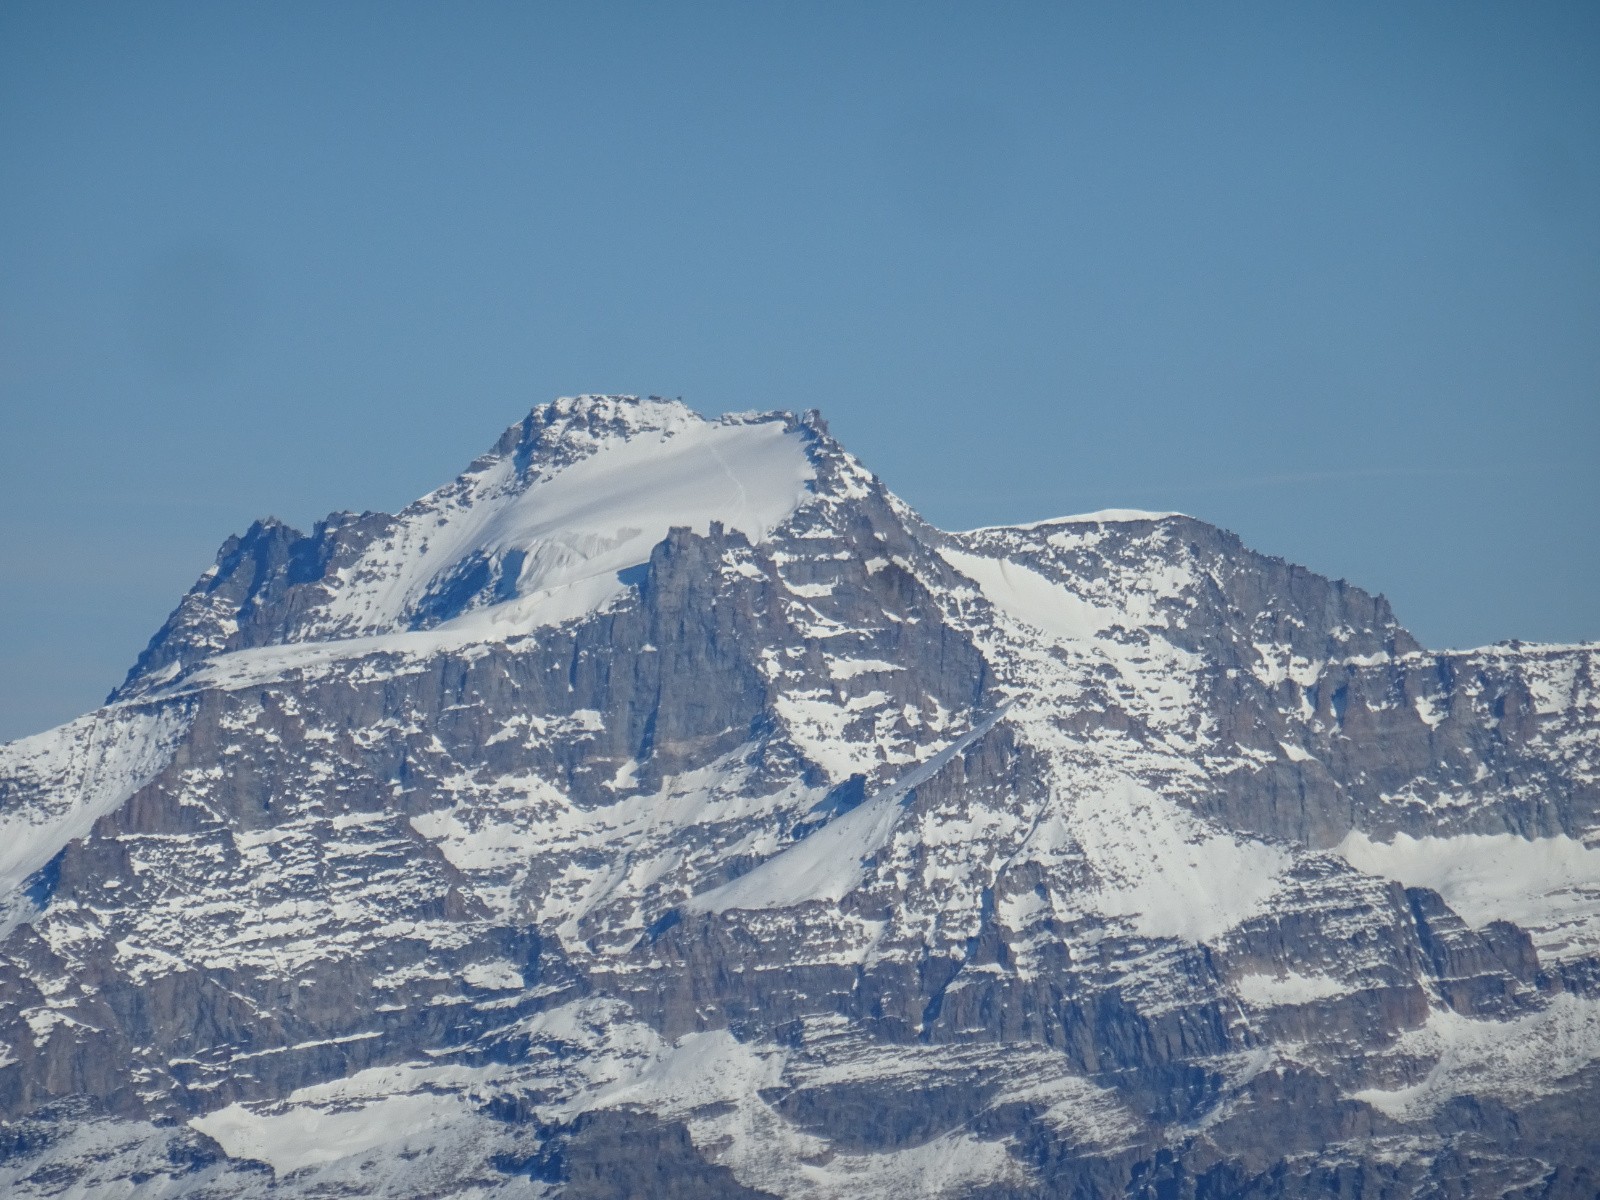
663, 809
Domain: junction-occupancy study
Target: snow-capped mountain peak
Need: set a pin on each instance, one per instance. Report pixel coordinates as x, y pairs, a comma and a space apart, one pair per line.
662, 807
551, 524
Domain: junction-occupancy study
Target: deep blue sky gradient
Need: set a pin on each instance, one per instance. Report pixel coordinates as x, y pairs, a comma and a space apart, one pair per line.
1328, 275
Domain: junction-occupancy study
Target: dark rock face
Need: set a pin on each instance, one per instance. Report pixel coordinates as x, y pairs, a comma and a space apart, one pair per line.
663, 809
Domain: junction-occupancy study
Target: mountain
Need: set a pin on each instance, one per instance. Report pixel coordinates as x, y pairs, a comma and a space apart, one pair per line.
664, 809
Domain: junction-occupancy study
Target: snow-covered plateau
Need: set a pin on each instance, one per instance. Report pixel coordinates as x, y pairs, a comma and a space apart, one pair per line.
663, 809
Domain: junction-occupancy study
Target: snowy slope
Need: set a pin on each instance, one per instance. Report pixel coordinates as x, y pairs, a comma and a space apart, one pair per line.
573, 531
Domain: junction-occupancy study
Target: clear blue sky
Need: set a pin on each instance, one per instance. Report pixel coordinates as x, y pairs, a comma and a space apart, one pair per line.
1328, 275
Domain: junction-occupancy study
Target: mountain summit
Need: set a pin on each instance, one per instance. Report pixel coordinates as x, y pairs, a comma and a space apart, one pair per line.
553, 518
662, 808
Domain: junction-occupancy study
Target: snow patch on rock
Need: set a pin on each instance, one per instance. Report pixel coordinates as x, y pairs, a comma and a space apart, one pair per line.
1549, 886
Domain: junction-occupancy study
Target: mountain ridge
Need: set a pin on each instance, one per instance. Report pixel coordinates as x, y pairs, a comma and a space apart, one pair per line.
585, 800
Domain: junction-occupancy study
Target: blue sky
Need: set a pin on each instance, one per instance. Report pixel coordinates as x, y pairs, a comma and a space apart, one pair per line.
1327, 275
